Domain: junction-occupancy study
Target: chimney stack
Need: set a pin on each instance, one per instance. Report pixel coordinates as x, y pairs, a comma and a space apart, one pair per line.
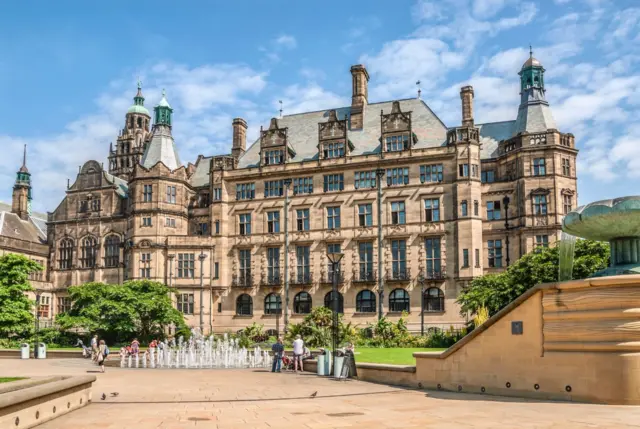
239, 137
359, 79
466, 95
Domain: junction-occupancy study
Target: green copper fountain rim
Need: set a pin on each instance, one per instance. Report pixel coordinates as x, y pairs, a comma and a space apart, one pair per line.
582, 221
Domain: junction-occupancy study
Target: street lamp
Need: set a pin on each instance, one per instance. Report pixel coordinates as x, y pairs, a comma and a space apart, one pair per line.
335, 259
171, 258
505, 202
287, 184
421, 280
35, 348
379, 177
202, 257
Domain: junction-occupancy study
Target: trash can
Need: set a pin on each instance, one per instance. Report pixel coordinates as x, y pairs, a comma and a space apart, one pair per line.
338, 369
42, 351
320, 364
327, 364
24, 351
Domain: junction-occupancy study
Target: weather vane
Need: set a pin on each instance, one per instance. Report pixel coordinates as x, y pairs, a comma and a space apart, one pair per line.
280, 101
419, 90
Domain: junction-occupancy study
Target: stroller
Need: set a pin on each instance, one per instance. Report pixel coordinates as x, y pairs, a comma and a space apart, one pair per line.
287, 363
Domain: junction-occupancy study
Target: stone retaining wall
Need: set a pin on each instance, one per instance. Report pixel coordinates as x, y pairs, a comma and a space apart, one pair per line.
395, 375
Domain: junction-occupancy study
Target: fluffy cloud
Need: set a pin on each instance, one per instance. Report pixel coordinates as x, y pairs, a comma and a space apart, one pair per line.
286, 41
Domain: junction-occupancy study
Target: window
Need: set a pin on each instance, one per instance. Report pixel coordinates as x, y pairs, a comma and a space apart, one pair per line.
397, 143
272, 304
273, 222
399, 259
364, 179
216, 270
434, 300
365, 216
566, 167
328, 301
567, 203
540, 204
171, 194
44, 306
432, 256
89, 250
146, 221
399, 301
333, 217
186, 262
333, 150
474, 170
273, 188
542, 241
272, 157
538, 167
273, 265
398, 176
170, 222
332, 248
145, 265
303, 268
217, 194
245, 266
303, 185
366, 260
465, 258
205, 200
495, 253
476, 208
217, 225
432, 210
333, 182
397, 213
185, 303
464, 212
302, 303
112, 251
95, 204
244, 305
431, 173
64, 304
245, 191
463, 170
488, 176
84, 206
65, 254
493, 210
477, 258
37, 275
365, 302
202, 228
303, 219
245, 223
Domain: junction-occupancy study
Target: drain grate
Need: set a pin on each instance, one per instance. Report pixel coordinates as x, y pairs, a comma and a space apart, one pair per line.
344, 414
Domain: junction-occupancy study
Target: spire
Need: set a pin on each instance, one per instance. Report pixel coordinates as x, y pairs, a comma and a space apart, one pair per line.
24, 168
162, 147
21, 199
534, 114
163, 111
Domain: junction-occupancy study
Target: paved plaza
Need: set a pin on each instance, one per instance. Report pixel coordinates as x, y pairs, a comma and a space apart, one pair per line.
255, 398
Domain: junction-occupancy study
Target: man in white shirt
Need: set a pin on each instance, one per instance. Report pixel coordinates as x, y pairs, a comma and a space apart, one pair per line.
298, 351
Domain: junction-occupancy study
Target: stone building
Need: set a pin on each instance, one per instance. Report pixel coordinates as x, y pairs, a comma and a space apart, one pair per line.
417, 208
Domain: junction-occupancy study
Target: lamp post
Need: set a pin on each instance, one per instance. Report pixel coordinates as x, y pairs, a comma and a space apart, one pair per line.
287, 183
202, 257
421, 280
35, 346
379, 176
335, 259
505, 202
171, 258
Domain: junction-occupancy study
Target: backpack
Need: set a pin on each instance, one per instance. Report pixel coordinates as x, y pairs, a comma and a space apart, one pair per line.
106, 351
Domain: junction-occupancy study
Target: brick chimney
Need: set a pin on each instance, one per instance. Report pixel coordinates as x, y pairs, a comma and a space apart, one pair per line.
359, 79
466, 95
239, 137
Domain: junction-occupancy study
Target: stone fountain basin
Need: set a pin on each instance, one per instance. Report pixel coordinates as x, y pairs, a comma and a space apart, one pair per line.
605, 220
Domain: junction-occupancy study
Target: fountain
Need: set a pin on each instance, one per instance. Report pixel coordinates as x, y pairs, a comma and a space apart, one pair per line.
200, 352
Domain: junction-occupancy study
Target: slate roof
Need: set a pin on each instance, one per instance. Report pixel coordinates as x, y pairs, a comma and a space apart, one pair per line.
122, 187
491, 134
162, 148
11, 226
534, 117
201, 176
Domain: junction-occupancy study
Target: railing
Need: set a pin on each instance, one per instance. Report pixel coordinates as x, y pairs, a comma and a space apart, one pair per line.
271, 280
433, 274
400, 275
244, 279
301, 279
327, 278
365, 277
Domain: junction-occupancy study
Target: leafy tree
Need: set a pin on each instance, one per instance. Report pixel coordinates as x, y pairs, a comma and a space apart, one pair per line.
137, 308
496, 291
16, 309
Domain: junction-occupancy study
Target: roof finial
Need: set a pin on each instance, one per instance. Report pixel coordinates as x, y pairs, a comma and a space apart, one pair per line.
530, 51
164, 93
139, 83
280, 101
419, 90
24, 156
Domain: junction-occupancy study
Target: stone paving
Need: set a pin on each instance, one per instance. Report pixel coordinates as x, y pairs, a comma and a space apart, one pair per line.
251, 398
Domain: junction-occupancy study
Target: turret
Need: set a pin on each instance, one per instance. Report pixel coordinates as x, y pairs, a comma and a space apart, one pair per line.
21, 198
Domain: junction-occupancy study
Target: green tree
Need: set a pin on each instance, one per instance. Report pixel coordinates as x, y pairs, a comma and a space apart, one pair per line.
16, 309
496, 291
137, 308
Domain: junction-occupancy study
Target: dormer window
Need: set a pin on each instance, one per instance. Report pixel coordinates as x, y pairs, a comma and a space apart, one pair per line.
396, 130
334, 150
397, 143
273, 157
332, 138
274, 147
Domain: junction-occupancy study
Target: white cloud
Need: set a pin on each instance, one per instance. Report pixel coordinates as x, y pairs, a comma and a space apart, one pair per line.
309, 98
487, 8
286, 41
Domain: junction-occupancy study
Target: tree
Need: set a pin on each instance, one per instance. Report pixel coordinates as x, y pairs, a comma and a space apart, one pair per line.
496, 291
16, 309
137, 308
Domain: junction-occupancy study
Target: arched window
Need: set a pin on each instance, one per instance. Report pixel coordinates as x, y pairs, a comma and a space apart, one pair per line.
89, 250
434, 299
139, 122
328, 301
112, 251
272, 304
302, 303
65, 254
365, 302
399, 300
244, 305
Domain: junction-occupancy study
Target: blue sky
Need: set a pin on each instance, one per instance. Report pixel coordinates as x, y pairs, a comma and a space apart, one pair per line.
68, 72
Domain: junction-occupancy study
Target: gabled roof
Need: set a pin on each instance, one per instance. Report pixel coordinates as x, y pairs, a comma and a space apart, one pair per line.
34, 229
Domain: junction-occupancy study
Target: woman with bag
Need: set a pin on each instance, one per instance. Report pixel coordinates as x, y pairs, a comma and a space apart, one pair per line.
103, 352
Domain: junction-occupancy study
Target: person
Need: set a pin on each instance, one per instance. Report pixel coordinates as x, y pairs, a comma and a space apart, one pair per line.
153, 344
135, 346
307, 354
103, 352
298, 351
278, 349
94, 346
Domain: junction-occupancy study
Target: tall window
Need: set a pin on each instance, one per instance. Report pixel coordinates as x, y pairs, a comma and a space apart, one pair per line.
64, 304
333, 217
245, 266
495, 253
474, 170
398, 176
302, 303
542, 241
171, 194
333, 182
273, 222
205, 200
245, 191
364, 179
365, 302
566, 167
273, 265
186, 265
399, 301
477, 258
272, 304
539, 167
399, 259
465, 258
463, 170
432, 256
432, 210
488, 176
44, 306
328, 301
273, 188
217, 226
245, 223
431, 173
567, 203
397, 143
365, 216
334, 150
145, 265
146, 221
273, 157
112, 251
540, 204
433, 300
244, 305
217, 194
65, 254
303, 268
303, 185
170, 222
398, 216
302, 221
89, 250
464, 210
493, 210
202, 228
366, 260
147, 194
185, 303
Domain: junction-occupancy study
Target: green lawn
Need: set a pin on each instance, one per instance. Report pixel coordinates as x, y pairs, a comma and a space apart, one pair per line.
395, 356
8, 379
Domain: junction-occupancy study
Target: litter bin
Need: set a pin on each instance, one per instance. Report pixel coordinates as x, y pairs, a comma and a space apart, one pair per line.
327, 364
320, 362
42, 351
338, 369
24, 351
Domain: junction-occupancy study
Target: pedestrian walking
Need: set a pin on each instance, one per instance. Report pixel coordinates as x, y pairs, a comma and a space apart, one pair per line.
298, 351
94, 346
103, 352
278, 350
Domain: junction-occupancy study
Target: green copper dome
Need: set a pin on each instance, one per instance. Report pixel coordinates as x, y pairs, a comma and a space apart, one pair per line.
138, 103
